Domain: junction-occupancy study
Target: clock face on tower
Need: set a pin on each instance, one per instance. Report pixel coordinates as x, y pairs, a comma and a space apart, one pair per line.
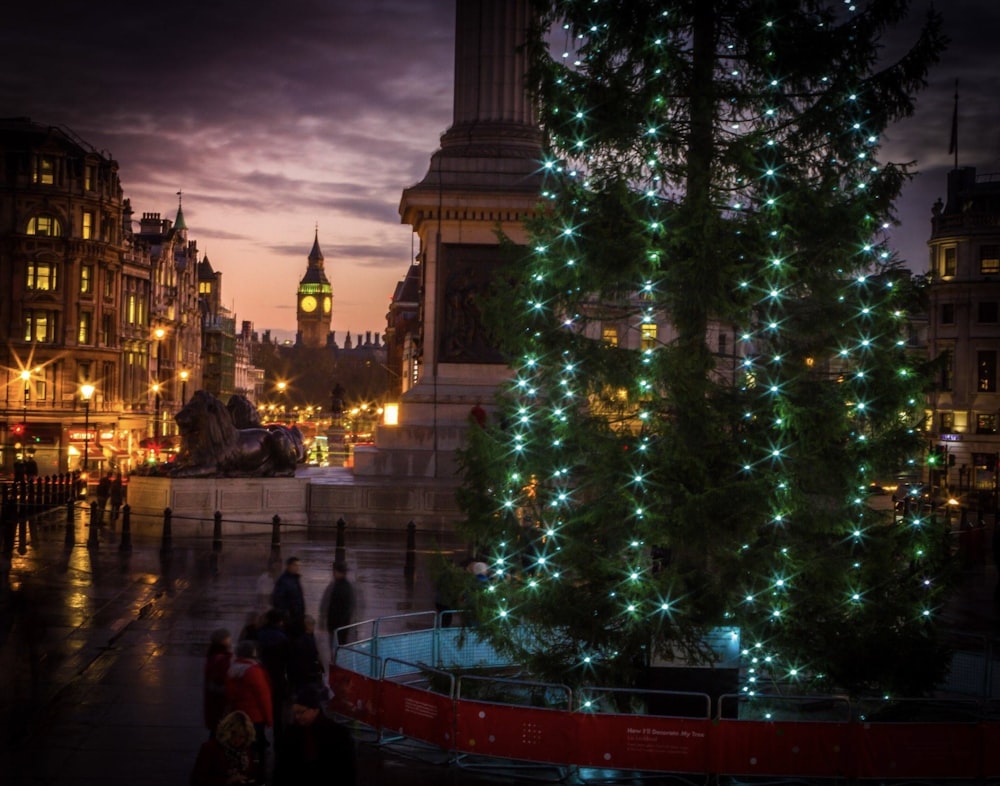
308, 303
327, 305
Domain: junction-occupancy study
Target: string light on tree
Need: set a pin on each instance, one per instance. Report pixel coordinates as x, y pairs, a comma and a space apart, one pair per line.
730, 441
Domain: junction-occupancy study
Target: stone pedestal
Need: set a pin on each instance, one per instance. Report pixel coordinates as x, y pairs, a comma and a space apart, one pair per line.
194, 501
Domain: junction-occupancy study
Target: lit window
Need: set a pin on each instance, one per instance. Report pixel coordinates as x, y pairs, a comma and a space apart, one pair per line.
986, 367
989, 259
610, 336
45, 171
45, 226
89, 177
87, 229
41, 276
946, 422
986, 423
86, 279
83, 335
204, 287
950, 262
39, 326
648, 335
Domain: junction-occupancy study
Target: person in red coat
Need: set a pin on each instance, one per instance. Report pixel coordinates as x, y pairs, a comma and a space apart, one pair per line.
227, 757
217, 663
248, 689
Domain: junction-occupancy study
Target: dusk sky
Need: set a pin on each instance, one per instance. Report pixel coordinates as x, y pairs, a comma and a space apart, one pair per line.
274, 119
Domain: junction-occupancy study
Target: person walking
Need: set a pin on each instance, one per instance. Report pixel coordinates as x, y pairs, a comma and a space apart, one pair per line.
288, 597
217, 662
273, 651
248, 689
117, 497
304, 666
103, 494
337, 607
315, 748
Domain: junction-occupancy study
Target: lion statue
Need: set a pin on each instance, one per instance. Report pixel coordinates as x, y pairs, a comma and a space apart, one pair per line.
213, 446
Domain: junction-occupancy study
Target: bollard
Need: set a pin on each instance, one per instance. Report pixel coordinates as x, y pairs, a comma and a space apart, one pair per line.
126, 544
341, 524
217, 532
167, 542
411, 545
70, 522
275, 532
93, 539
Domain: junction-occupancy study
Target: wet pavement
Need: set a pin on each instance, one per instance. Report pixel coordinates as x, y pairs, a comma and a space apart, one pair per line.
101, 650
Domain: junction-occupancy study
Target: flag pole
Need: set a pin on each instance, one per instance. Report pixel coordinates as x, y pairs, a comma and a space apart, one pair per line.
953, 145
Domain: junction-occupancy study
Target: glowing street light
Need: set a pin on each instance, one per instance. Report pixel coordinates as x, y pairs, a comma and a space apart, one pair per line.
184, 385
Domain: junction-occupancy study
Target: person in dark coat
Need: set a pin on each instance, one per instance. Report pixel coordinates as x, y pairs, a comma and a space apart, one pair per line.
273, 651
228, 756
103, 494
288, 597
117, 497
314, 748
217, 662
304, 666
338, 605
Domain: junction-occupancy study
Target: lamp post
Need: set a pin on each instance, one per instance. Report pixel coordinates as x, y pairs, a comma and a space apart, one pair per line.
281, 397
86, 392
156, 417
184, 385
26, 379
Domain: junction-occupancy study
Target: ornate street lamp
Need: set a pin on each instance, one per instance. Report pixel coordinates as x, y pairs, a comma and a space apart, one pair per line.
184, 385
86, 393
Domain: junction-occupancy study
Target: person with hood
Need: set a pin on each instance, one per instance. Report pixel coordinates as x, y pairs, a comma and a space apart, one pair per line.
288, 597
248, 689
228, 756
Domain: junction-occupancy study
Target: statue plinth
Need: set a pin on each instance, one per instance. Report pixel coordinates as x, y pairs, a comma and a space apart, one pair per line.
194, 501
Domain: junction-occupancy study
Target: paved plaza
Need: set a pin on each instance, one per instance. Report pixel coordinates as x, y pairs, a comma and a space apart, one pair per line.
101, 650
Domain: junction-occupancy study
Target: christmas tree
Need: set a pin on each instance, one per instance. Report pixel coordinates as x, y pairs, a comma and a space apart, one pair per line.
709, 353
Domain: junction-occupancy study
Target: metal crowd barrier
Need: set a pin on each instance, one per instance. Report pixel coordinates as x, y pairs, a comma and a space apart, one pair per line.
409, 679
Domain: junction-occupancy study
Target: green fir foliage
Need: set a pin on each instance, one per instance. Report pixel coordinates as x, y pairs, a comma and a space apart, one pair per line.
709, 356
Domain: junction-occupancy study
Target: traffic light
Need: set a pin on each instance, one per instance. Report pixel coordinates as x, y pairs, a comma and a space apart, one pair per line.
17, 429
937, 456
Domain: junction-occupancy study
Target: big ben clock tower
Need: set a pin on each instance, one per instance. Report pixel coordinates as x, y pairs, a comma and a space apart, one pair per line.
315, 301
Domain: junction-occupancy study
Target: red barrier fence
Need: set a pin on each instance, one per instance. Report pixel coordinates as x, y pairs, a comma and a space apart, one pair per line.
854, 748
